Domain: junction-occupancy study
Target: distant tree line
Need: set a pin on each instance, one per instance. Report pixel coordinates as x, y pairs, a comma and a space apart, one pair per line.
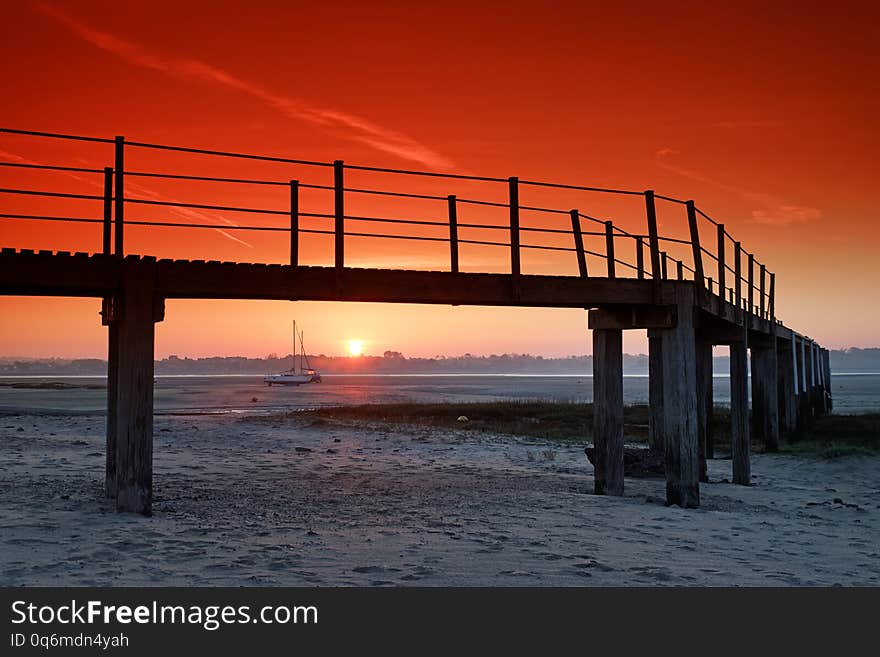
394, 362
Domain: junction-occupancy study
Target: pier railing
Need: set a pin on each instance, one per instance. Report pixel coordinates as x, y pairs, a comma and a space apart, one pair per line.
710, 256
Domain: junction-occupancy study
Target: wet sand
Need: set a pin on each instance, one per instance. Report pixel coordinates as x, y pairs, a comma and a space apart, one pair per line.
276, 501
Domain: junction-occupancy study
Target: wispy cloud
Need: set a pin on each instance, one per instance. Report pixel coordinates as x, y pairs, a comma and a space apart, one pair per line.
354, 127
745, 124
774, 210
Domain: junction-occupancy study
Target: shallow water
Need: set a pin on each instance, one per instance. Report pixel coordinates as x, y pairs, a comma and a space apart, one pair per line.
236, 394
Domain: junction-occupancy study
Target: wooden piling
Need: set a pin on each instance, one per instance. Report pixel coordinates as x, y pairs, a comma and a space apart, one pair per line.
739, 413
826, 357
608, 410
785, 387
765, 401
680, 424
134, 387
705, 400
112, 412
655, 392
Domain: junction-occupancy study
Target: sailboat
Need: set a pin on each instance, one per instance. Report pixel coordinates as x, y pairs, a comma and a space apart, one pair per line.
295, 376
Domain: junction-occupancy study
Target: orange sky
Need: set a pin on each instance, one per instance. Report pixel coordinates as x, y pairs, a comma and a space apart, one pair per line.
766, 115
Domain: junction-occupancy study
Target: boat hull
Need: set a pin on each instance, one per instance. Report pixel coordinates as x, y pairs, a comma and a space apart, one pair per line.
291, 379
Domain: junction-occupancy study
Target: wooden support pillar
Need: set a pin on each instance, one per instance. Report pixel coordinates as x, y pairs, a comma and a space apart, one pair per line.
112, 383
826, 359
802, 366
739, 412
608, 410
785, 386
137, 310
811, 377
705, 400
655, 391
765, 398
680, 423
805, 411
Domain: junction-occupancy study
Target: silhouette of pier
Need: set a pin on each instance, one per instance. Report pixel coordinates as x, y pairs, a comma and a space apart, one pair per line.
688, 303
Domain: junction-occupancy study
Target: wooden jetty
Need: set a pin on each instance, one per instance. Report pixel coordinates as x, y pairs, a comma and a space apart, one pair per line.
687, 307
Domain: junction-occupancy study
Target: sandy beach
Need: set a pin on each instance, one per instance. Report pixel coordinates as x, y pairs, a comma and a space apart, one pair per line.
271, 500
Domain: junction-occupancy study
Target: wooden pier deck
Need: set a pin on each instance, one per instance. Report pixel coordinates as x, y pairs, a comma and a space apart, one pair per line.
684, 311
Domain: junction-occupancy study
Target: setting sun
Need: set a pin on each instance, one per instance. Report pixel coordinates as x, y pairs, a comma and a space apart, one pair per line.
355, 347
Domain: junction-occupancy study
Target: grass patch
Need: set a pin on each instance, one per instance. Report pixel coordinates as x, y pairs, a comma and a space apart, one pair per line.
836, 436
566, 422
52, 385
831, 436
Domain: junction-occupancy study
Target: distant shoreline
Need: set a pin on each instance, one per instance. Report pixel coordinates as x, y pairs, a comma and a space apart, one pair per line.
366, 375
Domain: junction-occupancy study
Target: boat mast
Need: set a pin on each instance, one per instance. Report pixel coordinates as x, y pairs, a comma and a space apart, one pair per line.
294, 347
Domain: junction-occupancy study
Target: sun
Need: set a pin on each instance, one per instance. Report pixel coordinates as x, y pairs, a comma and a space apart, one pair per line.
355, 347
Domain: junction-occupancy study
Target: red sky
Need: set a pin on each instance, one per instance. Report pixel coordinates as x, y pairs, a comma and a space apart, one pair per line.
764, 113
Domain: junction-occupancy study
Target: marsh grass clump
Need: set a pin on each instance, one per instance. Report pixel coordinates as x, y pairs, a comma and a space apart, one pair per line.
830, 436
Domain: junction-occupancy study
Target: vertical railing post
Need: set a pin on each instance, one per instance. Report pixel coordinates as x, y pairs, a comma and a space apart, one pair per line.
653, 239
696, 249
108, 210
722, 278
119, 209
513, 183
664, 269
772, 297
339, 213
294, 223
609, 248
578, 243
751, 284
453, 233
737, 272
763, 305
679, 265
709, 284
640, 258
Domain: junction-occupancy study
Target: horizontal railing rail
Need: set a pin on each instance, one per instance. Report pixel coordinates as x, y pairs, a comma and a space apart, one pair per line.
750, 288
